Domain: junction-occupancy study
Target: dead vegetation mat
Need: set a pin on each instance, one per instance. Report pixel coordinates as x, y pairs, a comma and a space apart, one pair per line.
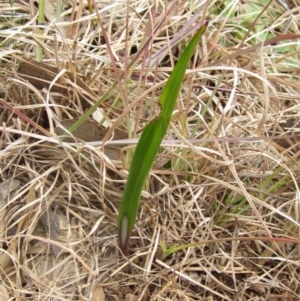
220, 175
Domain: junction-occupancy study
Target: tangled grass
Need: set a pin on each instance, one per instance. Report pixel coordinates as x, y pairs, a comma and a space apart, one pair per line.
219, 215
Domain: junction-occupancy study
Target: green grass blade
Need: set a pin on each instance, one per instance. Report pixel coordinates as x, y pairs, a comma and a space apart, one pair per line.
148, 145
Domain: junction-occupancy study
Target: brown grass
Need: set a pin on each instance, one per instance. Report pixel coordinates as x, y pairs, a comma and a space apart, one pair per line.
220, 176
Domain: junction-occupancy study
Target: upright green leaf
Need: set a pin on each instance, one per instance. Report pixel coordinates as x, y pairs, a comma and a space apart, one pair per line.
148, 145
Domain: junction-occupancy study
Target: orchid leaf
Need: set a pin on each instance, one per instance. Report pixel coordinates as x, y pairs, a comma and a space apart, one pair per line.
149, 144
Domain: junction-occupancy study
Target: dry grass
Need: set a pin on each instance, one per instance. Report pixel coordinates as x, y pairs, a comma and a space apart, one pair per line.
59, 199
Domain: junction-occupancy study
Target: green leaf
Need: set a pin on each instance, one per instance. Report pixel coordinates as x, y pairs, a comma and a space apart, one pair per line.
149, 144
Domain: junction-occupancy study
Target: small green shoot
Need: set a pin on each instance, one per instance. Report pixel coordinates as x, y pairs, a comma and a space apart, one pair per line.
165, 251
149, 144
